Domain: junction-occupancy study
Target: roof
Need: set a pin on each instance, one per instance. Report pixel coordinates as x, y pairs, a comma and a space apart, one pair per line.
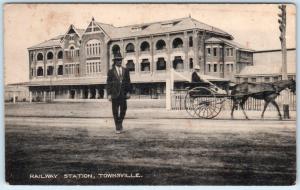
144, 29
56, 41
158, 28
80, 31
229, 42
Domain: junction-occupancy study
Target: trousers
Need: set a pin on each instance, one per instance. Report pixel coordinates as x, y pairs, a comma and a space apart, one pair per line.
119, 107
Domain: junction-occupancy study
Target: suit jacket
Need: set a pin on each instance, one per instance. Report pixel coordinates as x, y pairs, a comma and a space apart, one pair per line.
196, 78
118, 86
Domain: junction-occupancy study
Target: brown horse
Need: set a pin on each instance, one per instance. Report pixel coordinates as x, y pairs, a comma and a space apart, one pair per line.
264, 91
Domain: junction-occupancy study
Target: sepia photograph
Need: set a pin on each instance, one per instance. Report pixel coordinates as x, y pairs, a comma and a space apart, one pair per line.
150, 94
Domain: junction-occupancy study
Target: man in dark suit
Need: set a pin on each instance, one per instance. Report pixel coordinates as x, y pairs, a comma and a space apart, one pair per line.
118, 90
196, 73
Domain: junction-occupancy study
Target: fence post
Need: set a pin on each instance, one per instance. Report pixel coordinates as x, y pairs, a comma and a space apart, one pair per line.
168, 94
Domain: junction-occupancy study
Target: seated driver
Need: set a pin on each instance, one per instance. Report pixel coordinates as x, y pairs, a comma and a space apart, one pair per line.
196, 74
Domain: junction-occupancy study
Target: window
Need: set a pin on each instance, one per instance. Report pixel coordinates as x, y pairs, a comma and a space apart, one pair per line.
229, 67
267, 79
32, 72
191, 41
145, 46
215, 67
178, 63
72, 69
93, 67
145, 65
177, 43
253, 79
221, 68
245, 79
92, 48
72, 52
60, 70
130, 48
160, 45
221, 52
161, 64
229, 52
191, 63
31, 57
40, 57
40, 71
60, 55
215, 51
130, 65
50, 70
115, 49
66, 69
208, 51
49, 56
209, 68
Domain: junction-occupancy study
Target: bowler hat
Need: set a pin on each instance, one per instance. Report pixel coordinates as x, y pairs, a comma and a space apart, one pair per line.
117, 56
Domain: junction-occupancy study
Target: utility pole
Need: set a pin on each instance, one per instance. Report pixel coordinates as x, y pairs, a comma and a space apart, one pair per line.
282, 28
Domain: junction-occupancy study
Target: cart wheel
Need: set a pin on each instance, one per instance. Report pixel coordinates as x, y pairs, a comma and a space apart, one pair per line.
208, 107
202, 102
190, 104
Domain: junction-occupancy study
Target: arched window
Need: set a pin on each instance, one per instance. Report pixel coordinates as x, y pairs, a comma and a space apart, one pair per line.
145, 65
145, 46
177, 43
40, 57
130, 65
49, 55
60, 55
178, 63
129, 48
115, 49
160, 45
40, 71
161, 64
92, 48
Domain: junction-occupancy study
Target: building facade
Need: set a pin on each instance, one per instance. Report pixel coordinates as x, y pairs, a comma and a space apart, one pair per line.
267, 67
75, 65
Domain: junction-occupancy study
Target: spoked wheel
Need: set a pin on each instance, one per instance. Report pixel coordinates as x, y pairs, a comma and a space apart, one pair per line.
202, 103
190, 104
208, 107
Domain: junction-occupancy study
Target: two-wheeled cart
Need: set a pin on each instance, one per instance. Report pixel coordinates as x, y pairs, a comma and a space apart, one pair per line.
203, 100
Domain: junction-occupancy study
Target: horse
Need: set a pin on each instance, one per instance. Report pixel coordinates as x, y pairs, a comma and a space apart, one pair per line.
264, 91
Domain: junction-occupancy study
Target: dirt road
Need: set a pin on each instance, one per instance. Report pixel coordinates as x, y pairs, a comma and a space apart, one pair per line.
150, 152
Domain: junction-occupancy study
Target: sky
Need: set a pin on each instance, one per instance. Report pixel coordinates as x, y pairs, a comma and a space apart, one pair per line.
25, 25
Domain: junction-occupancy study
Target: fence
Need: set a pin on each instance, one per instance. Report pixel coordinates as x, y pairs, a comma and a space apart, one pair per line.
178, 97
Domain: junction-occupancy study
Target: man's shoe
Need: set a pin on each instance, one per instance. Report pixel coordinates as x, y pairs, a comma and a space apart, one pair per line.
118, 131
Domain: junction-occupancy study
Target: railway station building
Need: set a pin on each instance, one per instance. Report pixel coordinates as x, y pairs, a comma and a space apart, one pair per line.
74, 65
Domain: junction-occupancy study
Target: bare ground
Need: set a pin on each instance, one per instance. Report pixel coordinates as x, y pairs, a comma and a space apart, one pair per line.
159, 146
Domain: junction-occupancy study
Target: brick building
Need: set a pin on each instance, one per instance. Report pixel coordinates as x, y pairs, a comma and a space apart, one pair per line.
74, 65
